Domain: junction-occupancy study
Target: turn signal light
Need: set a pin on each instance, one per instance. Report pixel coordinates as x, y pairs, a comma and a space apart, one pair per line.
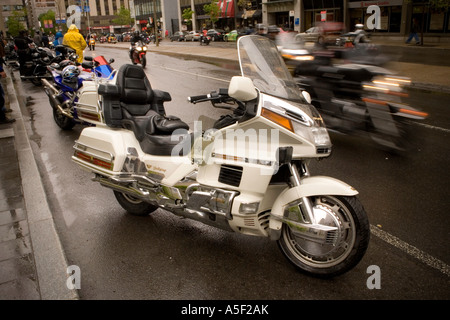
277, 118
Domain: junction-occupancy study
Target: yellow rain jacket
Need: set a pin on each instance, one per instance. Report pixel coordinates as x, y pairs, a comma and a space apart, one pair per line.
75, 40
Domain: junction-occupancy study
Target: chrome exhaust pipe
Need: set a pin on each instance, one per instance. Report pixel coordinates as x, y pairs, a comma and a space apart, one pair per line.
129, 185
54, 101
47, 84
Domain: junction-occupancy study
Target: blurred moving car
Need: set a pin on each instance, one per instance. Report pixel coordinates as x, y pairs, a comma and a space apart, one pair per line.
233, 35
192, 36
323, 33
179, 36
216, 34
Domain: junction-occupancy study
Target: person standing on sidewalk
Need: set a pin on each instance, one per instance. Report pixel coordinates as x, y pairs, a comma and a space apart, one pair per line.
23, 50
3, 118
415, 28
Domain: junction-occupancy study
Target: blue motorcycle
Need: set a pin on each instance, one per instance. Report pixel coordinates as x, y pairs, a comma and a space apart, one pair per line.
73, 93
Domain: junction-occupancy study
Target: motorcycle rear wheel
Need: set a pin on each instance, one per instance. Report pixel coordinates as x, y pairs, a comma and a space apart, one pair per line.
36, 81
133, 205
348, 246
62, 121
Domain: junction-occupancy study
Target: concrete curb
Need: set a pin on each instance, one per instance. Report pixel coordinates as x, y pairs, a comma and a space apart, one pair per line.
50, 260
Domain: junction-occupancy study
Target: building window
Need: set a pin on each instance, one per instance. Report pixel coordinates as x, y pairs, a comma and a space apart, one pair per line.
390, 18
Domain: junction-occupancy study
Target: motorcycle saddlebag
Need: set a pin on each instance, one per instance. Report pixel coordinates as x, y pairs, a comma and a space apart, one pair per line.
111, 104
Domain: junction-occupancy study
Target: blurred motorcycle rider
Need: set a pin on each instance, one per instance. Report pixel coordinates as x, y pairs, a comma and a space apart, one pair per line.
23, 50
75, 40
361, 34
136, 38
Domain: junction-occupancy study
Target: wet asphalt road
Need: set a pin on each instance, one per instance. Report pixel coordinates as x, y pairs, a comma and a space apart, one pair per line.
165, 257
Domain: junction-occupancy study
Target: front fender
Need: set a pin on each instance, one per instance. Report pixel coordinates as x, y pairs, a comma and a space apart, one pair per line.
310, 186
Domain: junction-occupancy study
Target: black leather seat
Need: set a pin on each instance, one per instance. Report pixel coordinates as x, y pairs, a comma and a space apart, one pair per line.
134, 105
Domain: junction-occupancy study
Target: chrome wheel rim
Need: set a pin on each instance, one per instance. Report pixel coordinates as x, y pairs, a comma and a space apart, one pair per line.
328, 211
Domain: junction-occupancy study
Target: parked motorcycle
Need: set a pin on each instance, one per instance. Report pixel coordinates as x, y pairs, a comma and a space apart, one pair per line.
138, 53
73, 92
361, 99
204, 40
247, 174
11, 56
65, 53
36, 69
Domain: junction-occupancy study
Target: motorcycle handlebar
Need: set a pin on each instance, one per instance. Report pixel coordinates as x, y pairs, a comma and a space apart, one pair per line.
194, 99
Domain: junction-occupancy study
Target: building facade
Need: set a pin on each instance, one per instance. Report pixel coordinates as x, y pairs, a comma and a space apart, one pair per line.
165, 13
7, 8
396, 15
233, 14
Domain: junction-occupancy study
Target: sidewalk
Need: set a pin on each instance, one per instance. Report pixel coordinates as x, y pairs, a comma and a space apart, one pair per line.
32, 261
33, 265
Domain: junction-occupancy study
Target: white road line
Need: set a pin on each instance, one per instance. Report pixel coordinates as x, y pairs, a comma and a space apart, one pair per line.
411, 250
191, 73
429, 126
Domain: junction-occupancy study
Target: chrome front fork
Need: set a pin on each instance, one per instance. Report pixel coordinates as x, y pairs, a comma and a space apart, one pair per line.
305, 205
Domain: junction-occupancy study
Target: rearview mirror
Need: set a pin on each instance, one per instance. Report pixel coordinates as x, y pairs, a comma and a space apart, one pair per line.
242, 89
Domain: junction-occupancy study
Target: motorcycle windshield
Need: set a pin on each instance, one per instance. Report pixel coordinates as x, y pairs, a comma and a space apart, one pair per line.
261, 61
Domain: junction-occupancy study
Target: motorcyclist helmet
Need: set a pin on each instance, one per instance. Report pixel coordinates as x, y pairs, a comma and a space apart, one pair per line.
66, 63
70, 73
136, 33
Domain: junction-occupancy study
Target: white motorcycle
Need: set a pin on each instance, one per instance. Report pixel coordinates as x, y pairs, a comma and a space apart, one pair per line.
247, 174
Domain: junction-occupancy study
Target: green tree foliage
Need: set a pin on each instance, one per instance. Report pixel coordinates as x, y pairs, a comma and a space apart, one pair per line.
48, 16
213, 10
14, 23
123, 17
440, 4
187, 15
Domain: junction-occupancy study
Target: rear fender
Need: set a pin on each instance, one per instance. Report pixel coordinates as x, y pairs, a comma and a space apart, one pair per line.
310, 186
104, 151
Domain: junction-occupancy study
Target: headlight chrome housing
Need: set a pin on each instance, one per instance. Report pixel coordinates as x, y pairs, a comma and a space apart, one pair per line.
302, 119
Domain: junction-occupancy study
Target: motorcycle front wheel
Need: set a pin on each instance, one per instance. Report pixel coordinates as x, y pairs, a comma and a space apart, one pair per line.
62, 121
143, 61
345, 247
133, 205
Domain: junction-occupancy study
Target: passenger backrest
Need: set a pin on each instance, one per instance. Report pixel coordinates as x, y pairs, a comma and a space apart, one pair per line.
135, 90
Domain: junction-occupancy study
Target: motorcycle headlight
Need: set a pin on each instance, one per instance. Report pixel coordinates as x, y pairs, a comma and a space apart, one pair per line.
139, 48
302, 119
144, 48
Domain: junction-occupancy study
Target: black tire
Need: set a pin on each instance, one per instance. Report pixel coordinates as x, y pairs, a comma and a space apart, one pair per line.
36, 81
143, 61
348, 247
134, 206
62, 121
